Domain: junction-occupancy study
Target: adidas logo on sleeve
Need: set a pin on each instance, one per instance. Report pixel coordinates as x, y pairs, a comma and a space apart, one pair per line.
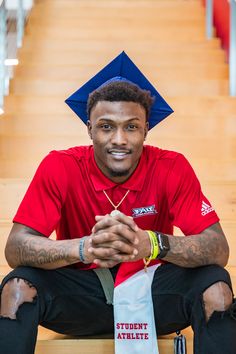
206, 208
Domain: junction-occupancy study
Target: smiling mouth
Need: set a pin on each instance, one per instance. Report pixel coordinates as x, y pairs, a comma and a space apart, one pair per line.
119, 154
114, 152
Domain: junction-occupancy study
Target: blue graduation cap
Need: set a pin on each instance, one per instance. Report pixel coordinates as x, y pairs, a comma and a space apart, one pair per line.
120, 68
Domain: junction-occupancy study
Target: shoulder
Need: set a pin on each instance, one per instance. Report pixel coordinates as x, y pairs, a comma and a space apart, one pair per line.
167, 165
72, 156
76, 152
163, 157
62, 164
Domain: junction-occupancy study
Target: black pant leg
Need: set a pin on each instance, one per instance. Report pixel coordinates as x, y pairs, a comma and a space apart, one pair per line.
177, 299
68, 301
217, 336
19, 336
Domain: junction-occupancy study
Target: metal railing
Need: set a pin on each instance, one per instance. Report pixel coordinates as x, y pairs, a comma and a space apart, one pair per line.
232, 40
11, 12
2, 54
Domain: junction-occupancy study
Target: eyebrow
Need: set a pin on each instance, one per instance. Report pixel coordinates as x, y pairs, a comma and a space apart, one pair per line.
112, 120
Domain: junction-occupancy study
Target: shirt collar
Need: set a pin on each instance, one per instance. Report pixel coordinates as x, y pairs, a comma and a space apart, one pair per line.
101, 182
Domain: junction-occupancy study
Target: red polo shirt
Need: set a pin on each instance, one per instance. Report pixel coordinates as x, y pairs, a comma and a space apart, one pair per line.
67, 192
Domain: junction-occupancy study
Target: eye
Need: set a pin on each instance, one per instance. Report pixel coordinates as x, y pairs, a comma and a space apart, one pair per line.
106, 126
132, 127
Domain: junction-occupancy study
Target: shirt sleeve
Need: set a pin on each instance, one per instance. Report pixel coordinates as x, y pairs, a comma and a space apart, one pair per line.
189, 209
41, 206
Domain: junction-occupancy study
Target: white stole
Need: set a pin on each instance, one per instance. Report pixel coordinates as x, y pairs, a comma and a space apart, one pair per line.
135, 331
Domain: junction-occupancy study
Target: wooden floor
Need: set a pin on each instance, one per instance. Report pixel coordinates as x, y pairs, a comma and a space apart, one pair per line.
68, 41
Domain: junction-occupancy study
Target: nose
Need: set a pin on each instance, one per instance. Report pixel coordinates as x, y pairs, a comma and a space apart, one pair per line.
119, 137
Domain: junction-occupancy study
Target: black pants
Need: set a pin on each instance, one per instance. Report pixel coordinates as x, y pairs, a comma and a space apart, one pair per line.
72, 302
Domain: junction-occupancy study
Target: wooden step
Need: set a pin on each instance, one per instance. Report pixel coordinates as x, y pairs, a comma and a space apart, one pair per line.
181, 7
153, 72
27, 151
150, 24
176, 125
36, 145
5, 227
11, 194
103, 48
180, 34
195, 87
205, 168
98, 346
169, 9
149, 17
182, 105
208, 168
77, 58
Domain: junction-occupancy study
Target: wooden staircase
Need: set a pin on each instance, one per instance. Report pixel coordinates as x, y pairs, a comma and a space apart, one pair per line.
68, 41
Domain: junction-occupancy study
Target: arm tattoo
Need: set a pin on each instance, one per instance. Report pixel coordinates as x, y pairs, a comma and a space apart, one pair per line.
37, 251
209, 247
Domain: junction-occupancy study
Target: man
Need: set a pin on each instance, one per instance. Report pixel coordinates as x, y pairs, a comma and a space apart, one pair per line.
105, 201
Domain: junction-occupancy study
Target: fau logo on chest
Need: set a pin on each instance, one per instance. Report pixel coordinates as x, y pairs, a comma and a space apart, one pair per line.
147, 210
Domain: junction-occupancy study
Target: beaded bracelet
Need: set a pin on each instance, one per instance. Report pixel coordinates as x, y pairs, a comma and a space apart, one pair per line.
154, 249
81, 249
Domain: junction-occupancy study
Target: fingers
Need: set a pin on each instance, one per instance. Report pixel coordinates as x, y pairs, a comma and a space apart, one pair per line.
108, 242
108, 220
114, 233
118, 258
105, 263
114, 239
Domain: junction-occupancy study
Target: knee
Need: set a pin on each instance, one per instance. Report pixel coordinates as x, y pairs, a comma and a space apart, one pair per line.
218, 297
14, 293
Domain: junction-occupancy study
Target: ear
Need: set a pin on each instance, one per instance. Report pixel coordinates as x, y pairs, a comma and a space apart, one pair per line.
89, 129
146, 130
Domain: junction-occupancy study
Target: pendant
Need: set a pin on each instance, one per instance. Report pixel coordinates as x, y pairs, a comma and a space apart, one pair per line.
115, 212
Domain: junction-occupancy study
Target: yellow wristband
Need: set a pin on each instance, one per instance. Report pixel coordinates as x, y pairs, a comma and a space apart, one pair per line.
154, 244
154, 249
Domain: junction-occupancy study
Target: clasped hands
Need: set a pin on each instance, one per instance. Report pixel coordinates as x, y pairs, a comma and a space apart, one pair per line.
116, 239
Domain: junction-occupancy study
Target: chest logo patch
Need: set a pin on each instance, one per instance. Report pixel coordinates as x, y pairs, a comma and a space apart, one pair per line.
147, 210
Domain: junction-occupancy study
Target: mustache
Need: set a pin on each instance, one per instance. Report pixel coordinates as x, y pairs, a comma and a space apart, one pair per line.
126, 151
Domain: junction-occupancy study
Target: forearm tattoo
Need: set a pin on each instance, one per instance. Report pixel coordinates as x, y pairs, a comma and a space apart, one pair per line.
37, 251
209, 247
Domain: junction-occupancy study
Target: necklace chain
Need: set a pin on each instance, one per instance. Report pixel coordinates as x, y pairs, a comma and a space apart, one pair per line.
116, 206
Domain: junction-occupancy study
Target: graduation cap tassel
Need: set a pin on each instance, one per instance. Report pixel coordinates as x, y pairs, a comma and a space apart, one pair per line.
180, 344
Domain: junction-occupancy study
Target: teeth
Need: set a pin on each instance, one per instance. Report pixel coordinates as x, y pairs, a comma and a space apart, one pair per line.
118, 153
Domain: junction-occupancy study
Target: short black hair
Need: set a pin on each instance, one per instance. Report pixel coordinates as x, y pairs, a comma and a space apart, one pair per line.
117, 91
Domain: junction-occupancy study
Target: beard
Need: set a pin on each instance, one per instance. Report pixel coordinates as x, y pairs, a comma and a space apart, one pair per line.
121, 173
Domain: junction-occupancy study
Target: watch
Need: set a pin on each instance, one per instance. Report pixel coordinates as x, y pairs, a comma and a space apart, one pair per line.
163, 243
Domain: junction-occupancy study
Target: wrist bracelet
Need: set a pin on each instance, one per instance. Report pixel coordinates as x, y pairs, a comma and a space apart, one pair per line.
154, 249
154, 244
81, 249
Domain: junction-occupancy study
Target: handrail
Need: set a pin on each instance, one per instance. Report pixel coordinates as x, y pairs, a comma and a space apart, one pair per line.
20, 23
5, 70
232, 39
209, 19
2, 53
